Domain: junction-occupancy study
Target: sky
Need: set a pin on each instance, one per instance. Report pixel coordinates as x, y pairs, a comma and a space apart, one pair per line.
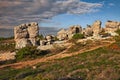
58, 13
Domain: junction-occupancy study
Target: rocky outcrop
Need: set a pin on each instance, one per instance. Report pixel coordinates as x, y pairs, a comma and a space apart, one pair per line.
43, 42
67, 34
88, 31
49, 39
62, 35
25, 34
111, 27
74, 30
96, 28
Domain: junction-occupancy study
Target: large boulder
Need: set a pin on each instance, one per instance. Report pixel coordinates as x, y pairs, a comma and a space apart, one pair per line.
25, 34
33, 30
49, 39
88, 31
43, 42
111, 27
96, 28
74, 30
20, 43
21, 32
62, 35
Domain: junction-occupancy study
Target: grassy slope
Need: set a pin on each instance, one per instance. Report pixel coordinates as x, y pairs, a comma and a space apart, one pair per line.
100, 64
7, 44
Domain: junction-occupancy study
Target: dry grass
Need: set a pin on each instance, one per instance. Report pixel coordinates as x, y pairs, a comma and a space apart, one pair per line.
100, 64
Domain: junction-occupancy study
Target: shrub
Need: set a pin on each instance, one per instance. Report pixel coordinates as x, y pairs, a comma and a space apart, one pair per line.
7, 44
27, 52
118, 31
41, 37
78, 36
2, 38
55, 38
7, 47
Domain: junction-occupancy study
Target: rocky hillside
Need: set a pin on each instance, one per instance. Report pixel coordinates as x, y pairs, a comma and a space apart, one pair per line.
74, 54
87, 62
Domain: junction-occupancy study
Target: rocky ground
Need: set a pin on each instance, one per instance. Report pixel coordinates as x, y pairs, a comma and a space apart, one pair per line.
7, 56
53, 57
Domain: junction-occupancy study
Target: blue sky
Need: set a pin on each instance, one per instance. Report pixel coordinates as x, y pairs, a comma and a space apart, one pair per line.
109, 11
57, 13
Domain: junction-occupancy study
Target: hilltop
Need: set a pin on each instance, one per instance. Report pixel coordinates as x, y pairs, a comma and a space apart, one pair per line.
74, 54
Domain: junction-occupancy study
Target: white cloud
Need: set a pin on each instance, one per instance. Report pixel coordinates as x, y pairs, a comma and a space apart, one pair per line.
19, 11
111, 4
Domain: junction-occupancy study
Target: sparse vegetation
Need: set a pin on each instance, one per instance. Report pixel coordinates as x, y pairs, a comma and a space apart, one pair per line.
99, 64
76, 47
2, 38
57, 49
41, 37
117, 38
118, 31
27, 53
78, 36
7, 44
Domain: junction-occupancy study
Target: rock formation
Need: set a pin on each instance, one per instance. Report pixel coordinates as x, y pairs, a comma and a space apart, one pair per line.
111, 27
62, 35
43, 42
25, 34
87, 31
74, 30
96, 28
49, 39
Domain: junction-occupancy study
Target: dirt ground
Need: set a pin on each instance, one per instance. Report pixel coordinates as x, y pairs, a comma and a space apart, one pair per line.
51, 58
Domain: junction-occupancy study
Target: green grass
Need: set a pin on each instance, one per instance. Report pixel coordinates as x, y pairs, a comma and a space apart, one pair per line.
99, 64
78, 36
7, 44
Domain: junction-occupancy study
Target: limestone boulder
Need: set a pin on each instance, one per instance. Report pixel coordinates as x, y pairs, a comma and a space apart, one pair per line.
96, 28
74, 30
33, 41
88, 31
62, 35
20, 32
20, 43
33, 30
26, 34
49, 39
112, 26
43, 42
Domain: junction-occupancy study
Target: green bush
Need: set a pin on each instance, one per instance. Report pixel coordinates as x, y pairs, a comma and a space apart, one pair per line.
78, 36
7, 47
2, 38
118, 31
27, 52
41, 37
